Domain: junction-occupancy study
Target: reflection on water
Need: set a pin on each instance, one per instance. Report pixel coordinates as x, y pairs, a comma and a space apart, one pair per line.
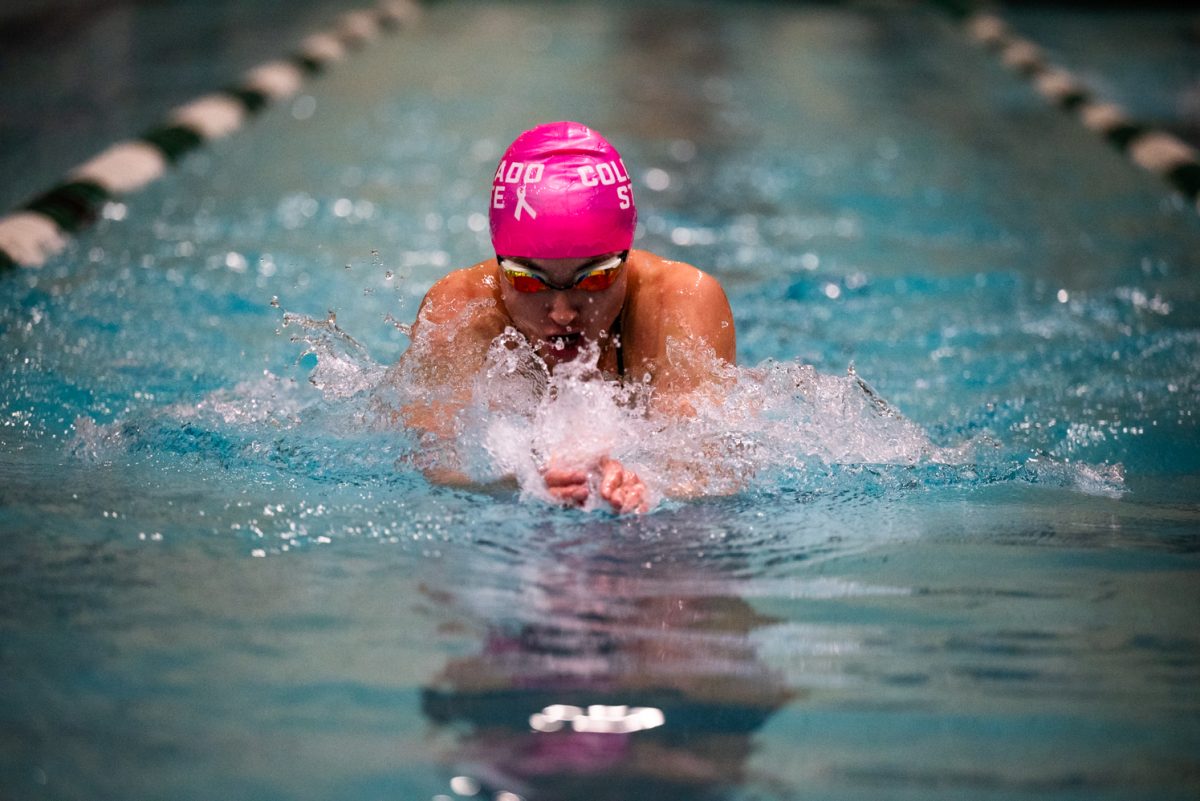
596, 679
947, 627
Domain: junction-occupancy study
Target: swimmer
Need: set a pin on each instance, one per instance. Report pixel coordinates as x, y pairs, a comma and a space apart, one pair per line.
566, 277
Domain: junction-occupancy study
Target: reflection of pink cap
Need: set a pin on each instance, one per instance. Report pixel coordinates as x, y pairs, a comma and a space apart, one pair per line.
561, 192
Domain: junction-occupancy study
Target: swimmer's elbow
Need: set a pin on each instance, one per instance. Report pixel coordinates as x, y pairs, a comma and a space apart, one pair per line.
693, 486
672, 404
448, 477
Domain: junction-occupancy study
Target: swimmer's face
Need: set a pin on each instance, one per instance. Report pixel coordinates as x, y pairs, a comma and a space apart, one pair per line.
559, 322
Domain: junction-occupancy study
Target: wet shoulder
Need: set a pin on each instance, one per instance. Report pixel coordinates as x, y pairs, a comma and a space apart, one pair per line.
469, 283
661, 279
673, 299
471, 288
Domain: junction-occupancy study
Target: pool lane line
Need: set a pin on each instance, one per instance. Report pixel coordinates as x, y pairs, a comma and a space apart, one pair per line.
1160, 152
40, 229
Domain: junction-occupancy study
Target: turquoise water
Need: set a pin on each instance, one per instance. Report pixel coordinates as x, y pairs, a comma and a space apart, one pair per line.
977, 579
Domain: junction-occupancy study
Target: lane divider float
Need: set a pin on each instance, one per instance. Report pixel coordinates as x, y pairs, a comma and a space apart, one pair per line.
41, 228
1160, 152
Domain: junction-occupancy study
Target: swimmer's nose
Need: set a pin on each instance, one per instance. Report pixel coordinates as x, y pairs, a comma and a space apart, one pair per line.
562, 313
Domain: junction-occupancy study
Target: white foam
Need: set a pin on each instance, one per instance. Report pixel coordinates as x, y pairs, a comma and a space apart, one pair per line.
96, 443
754, 429
266, 399
521, 419
344, 368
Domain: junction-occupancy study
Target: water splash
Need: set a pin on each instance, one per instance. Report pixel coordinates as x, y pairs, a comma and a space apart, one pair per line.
344, 368
764, 429
768, 426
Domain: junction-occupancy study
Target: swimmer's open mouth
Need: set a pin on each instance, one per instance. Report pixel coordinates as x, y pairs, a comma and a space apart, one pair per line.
565, 341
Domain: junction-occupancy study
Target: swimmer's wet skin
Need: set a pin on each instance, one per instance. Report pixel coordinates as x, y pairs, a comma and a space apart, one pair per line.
566, 280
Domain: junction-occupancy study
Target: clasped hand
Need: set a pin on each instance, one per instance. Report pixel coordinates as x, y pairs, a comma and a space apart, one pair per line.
621, 488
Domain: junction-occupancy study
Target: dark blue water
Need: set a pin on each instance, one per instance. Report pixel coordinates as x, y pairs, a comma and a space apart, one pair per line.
967, 570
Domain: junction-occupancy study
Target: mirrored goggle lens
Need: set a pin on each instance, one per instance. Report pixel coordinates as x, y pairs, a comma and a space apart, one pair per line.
598, 278
525, 282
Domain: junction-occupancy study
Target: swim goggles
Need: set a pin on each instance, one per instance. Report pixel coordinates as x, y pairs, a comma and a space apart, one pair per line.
597, 279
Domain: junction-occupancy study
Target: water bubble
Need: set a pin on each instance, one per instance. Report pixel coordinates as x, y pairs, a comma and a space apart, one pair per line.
485, 150
304, 107
464, 785
682, 149
656, 179
114, 211
235, 262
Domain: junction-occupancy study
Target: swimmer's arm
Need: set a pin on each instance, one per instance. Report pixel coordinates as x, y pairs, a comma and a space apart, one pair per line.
697, 345
698, 350
450, 340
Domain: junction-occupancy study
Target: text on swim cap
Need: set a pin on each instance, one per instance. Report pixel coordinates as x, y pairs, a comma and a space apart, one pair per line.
605, 173
518, 173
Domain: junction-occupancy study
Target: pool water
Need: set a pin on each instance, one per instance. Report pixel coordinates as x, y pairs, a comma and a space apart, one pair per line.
959, 558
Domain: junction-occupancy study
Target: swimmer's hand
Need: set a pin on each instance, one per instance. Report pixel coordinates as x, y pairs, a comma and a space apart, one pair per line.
567, 485
622, 488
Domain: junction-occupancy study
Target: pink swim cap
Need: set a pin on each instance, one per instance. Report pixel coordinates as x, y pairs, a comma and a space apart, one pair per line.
561, 192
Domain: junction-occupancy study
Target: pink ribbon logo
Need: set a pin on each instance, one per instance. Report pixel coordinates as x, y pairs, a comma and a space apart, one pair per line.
522, 203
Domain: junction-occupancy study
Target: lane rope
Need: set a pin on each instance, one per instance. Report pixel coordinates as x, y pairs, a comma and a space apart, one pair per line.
1157, 151
41, 228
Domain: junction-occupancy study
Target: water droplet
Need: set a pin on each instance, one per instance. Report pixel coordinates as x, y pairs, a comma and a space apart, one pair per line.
235, 262
657, 179
304, 107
